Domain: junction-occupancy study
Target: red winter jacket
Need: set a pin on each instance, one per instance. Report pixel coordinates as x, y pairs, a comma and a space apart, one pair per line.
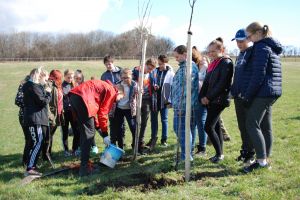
98, 97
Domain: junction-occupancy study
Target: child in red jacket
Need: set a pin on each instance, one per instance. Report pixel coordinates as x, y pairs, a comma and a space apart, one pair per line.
91, 102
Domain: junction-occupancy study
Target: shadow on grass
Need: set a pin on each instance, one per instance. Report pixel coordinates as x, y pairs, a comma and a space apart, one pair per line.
11, 165
295, 118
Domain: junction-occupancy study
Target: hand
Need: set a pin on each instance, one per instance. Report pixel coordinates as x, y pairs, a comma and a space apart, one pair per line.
205, 101
48, 89
156, 87
106, 140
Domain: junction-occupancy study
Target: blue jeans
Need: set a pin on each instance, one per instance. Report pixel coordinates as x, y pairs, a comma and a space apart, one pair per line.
164, 123
198, 120
179, 128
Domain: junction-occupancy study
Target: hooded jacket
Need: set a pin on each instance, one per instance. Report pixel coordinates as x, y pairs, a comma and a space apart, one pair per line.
165, 88
266, 76
98, 97
36, 101
113, 76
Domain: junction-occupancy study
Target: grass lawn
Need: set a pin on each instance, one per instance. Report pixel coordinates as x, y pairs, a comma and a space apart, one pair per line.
152, 176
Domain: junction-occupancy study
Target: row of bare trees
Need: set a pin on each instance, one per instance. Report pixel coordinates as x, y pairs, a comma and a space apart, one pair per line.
92, 44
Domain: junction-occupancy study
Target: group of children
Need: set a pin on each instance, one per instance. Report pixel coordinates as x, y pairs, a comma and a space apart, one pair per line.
47, 102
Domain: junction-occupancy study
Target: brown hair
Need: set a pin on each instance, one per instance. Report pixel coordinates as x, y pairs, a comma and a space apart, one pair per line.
181, 49
256, 26
163, 58
219, 43
107, 58
196, 56
152, 62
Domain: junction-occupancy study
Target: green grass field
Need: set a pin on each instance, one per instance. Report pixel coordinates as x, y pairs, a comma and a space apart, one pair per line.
152, 176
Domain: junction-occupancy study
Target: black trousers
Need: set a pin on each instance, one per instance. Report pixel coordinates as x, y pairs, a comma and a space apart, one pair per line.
212, 127
37, 134
145, 111
47, 145
86, 128
28, 144
69, 119
117, 135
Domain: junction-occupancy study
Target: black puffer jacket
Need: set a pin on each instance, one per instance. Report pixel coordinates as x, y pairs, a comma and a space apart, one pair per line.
36, 102
217, 83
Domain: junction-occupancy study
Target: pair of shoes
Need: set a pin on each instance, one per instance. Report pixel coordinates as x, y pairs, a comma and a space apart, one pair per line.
216, 158
255, 166
94, 150
32, 172
77, 152
67, 153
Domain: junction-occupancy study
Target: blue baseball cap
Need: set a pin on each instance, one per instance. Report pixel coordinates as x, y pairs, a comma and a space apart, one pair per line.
240, 35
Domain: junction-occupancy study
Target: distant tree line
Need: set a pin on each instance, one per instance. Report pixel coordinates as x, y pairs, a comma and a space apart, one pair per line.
288, 51
92, 44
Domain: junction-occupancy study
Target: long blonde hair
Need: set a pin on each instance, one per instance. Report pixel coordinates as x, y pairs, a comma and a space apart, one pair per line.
256, 26
37, 73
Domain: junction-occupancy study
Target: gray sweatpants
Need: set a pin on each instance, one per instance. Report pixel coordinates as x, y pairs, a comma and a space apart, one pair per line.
241, 113
259, 126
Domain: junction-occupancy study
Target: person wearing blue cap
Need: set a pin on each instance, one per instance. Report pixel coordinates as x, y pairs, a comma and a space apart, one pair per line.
240, 82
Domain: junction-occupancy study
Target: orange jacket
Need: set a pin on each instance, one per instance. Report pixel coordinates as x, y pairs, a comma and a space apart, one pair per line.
98, 97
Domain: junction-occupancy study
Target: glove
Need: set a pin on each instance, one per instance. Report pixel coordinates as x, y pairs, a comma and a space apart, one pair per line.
246, 103
106, 140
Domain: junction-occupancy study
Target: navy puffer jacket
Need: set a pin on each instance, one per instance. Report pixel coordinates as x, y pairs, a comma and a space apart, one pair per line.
266, 77
242, 73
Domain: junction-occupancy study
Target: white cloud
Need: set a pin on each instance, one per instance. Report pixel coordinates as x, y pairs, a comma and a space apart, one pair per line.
56, 15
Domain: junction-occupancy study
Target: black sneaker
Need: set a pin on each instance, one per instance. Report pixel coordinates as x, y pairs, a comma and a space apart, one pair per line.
242, 156
149, 143
255, 166
216, 159
201, 151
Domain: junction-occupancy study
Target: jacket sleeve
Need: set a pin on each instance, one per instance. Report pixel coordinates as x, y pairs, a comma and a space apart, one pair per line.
41, 97
225, 77
260, 63
104, 108
19, 97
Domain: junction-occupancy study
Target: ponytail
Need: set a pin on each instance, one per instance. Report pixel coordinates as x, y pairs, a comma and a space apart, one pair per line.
256, 26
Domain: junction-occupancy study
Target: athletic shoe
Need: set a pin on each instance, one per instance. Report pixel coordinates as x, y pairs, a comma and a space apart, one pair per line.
94, 150
226, 137
68, 154
255, 166
77, 152
216, 158
164, 143
201, 151
33, 172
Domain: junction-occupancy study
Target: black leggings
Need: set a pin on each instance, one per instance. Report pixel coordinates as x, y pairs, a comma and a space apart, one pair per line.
212, 127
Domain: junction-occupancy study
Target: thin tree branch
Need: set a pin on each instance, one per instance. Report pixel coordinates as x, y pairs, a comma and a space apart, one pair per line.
191, 18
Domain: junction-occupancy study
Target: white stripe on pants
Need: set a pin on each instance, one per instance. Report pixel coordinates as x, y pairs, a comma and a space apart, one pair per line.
36, 134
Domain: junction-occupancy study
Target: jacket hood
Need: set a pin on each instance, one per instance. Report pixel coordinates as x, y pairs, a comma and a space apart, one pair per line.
116, 69
274, 44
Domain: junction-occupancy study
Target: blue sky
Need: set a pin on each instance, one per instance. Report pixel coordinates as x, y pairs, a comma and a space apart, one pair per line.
168, 18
